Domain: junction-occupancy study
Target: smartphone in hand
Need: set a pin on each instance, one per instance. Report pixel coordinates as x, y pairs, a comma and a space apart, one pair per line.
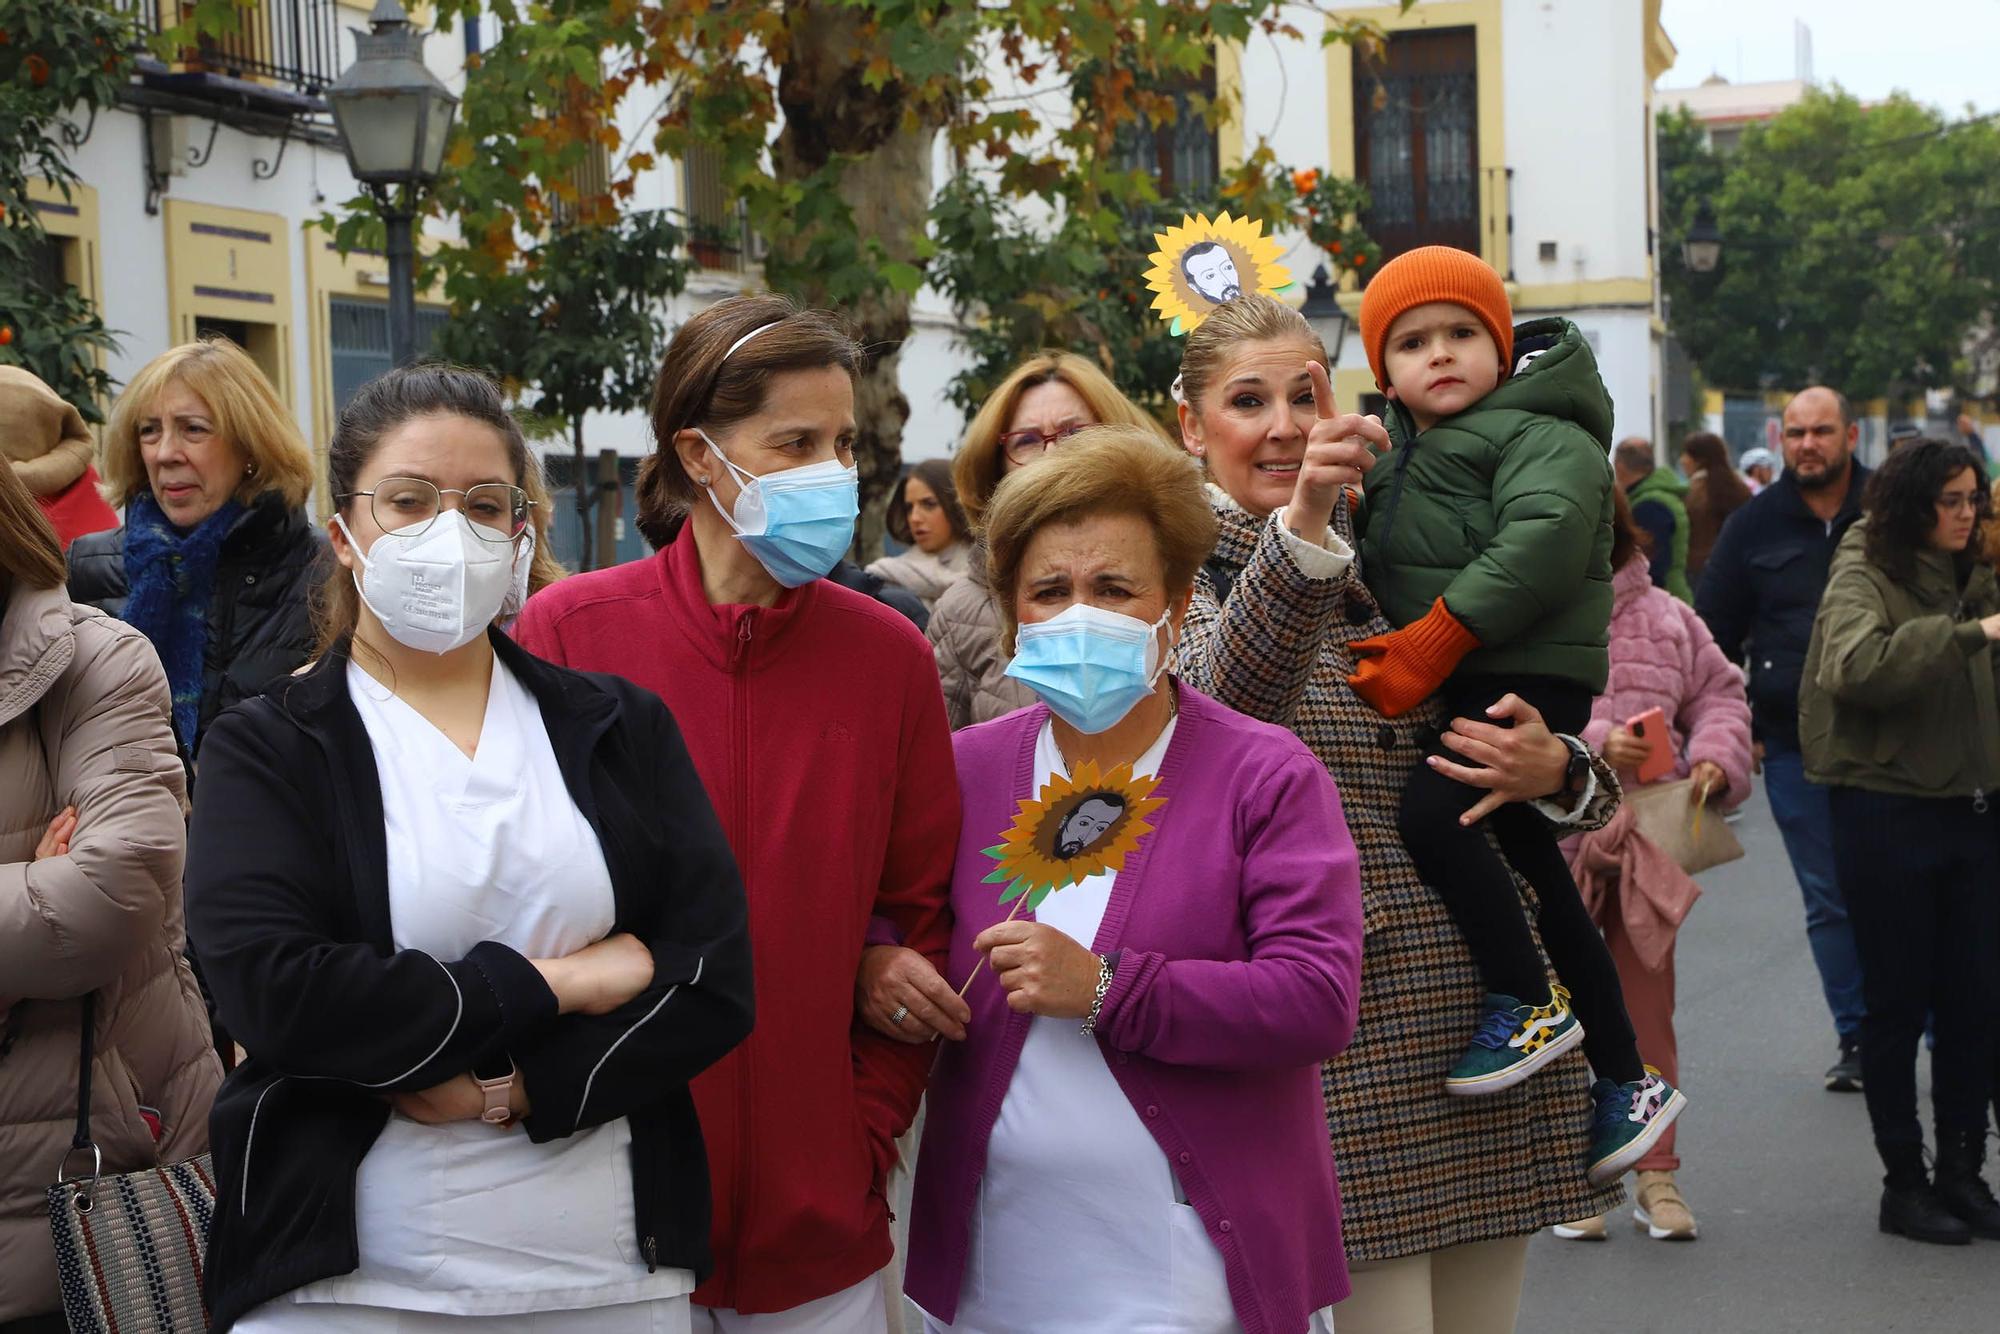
1650, 727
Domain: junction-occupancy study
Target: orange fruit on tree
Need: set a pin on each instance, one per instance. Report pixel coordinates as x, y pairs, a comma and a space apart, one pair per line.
6, 335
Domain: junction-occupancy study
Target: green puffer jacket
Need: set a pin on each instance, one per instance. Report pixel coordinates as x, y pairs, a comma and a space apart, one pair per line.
1662, 488
1899, 692
1505, 511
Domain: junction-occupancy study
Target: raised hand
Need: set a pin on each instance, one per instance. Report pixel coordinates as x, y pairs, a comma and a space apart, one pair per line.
1337, 456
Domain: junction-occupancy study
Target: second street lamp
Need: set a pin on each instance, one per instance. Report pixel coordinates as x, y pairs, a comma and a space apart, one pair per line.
1322, 311
394, 117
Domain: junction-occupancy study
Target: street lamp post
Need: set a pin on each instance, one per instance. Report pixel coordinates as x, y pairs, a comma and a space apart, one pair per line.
1701, 248
394, 116
1322, 311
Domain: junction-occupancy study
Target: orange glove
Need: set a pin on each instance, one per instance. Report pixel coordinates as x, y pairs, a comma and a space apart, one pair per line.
1400, 670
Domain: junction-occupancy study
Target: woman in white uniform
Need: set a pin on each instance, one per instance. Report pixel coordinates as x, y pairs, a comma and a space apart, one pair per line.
474, 921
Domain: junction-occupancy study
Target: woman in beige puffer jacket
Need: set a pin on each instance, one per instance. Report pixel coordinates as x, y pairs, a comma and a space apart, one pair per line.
89, 906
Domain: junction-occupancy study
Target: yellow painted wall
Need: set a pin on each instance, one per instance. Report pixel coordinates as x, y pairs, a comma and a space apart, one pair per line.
1229, 96
74, 220
1483, 17
233, 264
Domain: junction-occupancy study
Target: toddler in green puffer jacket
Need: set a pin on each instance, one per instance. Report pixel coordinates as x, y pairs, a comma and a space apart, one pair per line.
1487, 540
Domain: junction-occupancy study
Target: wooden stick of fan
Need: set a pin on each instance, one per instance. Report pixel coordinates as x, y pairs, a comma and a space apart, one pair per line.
1018, 904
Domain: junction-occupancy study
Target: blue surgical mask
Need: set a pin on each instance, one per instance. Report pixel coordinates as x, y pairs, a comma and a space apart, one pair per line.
1090, 666
797, 523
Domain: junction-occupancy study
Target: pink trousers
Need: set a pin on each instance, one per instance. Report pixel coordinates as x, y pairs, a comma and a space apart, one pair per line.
1649, 1000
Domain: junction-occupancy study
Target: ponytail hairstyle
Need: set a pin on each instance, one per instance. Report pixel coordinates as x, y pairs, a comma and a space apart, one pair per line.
386, 403
714, 374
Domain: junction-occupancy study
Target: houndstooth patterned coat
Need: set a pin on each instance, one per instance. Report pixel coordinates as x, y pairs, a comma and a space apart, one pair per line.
1420, 1170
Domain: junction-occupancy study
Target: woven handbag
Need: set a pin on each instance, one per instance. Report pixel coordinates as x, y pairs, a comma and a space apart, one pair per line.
129, 1247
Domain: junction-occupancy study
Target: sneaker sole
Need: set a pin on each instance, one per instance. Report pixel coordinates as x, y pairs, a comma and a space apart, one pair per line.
1615, 1165
1568, 1233
1842, 1085
1641, 1218
1501, 1080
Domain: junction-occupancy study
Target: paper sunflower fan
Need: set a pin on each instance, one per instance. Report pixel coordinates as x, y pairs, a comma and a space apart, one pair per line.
1201, 264
1074, 828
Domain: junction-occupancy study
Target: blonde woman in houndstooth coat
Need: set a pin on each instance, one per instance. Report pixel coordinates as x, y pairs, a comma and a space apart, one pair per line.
1440, 1194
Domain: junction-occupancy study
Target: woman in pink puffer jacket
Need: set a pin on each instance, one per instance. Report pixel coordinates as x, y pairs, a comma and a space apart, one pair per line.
1662, 657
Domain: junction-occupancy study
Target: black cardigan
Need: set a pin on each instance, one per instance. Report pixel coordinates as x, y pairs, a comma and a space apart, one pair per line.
288, 905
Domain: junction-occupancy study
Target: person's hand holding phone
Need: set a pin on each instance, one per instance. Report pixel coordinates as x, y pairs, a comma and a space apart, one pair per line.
1624, 750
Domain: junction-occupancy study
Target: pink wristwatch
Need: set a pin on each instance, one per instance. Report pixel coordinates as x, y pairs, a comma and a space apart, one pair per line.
496, 1081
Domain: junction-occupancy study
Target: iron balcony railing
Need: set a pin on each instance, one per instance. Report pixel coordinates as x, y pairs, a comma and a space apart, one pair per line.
292, 44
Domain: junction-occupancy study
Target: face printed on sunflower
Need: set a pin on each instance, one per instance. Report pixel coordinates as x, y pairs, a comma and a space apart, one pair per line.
1087, 823
1211, 272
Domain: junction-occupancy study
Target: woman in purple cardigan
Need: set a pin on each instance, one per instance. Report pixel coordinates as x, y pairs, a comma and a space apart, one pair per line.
1131, 1134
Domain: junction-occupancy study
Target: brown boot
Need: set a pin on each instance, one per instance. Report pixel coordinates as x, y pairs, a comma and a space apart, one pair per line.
1660, 1209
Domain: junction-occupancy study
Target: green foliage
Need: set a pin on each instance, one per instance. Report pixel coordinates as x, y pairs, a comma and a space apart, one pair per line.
574, 328
1073, 285
59, 65
1861, 245
822, 116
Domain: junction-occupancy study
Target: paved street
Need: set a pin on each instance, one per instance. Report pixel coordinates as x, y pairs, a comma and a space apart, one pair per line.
1778, 1171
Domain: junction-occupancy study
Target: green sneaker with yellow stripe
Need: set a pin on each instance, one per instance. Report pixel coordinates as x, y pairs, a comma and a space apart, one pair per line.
1514, 1040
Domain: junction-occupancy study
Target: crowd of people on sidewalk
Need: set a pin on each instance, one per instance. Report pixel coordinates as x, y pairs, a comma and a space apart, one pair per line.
1209, 880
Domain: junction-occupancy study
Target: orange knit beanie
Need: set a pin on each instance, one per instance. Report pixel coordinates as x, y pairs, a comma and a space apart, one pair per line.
1434, 273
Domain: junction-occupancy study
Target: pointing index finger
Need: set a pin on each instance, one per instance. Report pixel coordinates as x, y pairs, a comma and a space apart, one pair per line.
1323, 406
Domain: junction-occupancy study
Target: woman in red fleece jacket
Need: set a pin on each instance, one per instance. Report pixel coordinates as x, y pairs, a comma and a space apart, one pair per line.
814, 717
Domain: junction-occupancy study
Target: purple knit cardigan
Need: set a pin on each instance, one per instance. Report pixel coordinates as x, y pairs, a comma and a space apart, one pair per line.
1238, 927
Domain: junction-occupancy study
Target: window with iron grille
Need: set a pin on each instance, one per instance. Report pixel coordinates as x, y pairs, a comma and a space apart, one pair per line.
719, 235
1182, 154
1416, 140
358, 340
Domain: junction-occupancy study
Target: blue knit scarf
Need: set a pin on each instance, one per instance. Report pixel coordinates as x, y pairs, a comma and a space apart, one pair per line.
171, 574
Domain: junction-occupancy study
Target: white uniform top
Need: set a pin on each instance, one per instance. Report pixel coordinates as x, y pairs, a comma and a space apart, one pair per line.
468, 1218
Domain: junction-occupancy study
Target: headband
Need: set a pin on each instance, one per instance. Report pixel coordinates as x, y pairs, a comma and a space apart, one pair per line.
747, 337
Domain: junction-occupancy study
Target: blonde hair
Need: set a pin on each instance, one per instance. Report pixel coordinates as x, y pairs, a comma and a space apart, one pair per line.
31, 555
979, 465
245, 409
1105, 470
1245, 319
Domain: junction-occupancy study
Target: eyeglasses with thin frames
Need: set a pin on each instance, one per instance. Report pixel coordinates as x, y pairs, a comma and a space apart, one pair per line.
408, 506
1024, 446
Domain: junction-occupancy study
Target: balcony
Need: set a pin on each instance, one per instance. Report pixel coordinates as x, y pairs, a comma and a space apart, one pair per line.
279, 62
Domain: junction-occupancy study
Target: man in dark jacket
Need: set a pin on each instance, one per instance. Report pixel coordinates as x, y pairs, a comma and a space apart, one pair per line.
1759, 594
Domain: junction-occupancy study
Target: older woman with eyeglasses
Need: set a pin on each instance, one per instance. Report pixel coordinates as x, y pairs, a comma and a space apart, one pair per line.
1040, 405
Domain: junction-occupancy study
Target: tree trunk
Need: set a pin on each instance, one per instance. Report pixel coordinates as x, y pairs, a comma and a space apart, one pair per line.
582, 478
886, 181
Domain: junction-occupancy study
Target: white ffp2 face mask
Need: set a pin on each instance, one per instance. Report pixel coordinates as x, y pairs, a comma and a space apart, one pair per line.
439, 590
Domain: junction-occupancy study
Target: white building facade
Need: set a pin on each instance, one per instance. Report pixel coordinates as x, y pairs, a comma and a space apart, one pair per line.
1518, 129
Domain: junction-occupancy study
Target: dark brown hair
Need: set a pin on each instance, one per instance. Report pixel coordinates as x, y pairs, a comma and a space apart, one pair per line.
382, 405
1627, 537
935, 474
702, 383
1722, 489
30, 553
1901, 503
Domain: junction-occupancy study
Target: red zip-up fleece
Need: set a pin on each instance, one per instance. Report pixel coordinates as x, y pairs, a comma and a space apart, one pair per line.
818, 728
